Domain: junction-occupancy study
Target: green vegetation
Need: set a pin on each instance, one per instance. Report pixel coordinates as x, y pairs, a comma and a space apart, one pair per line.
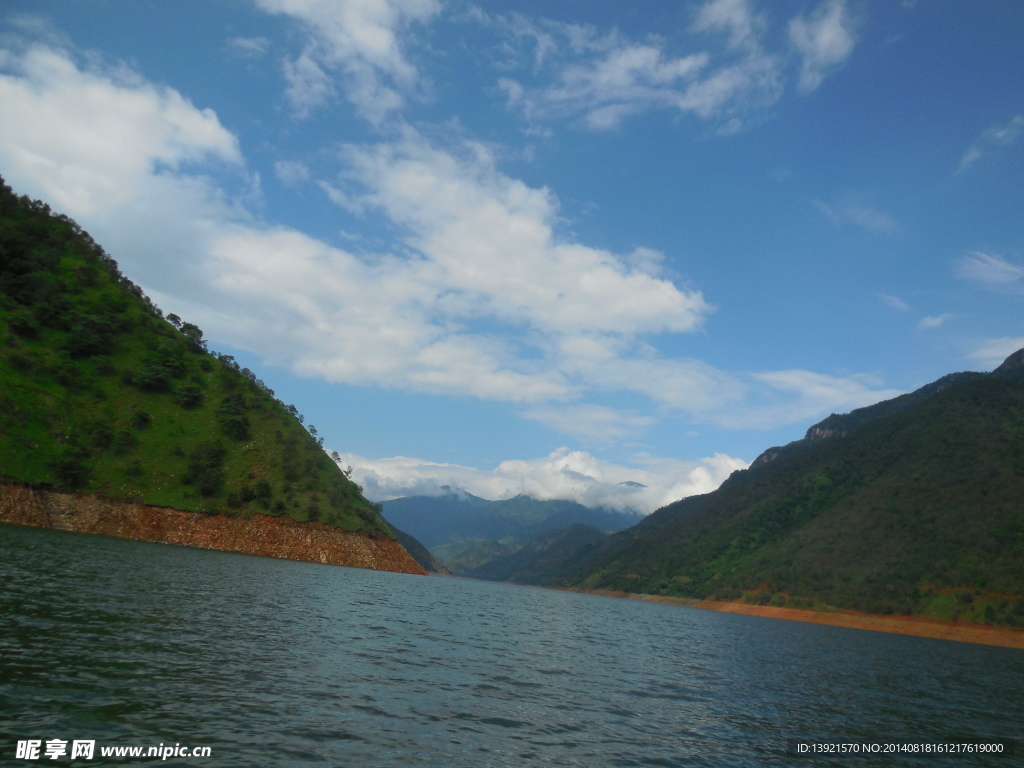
464, 557
99, 393
546, 559
917, 510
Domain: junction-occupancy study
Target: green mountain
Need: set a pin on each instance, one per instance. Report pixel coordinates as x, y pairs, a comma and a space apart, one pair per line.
100, 394
466, 532
463, 557
547, 560
420, 554
912, 506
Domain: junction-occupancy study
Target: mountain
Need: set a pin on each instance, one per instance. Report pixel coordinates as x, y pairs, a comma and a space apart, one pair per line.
464, 557
466, 531
420, 554
839, 425
913, 506
102, 396
547, 560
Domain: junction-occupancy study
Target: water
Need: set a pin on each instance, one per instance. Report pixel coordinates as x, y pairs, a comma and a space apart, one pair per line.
278, 663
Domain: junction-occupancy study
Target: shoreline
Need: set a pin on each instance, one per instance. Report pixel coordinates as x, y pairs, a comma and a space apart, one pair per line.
982, 634
262, 535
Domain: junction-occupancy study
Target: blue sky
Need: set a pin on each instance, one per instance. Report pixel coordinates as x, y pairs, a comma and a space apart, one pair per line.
546, 247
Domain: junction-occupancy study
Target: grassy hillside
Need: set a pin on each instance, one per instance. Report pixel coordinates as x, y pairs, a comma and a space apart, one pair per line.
99, 393
918, 510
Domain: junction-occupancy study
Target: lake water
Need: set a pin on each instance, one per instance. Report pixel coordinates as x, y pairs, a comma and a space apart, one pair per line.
278, 663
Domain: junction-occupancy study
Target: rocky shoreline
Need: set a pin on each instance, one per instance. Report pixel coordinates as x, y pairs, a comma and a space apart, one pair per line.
903, 625
259, 535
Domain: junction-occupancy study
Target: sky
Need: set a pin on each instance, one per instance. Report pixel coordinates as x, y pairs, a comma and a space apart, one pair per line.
546, 247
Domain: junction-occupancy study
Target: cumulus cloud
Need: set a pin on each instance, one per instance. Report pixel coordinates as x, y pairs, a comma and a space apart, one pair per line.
494, 239
356, 42
563, 474
824, 40
992, 139
90, 139
479, 295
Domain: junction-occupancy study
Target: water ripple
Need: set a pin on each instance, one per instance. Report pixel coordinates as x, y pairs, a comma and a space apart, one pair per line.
271, 663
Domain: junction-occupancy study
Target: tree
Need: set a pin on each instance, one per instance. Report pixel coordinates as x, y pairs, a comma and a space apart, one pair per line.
194, 334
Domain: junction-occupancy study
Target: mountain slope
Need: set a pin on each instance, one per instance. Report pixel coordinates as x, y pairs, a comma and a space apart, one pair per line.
919, 509
546, 560
99, 394
419, 553
461, 517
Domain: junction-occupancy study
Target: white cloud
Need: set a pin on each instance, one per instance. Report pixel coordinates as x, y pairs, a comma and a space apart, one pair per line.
88, 140
858, 215
806, 395
824, 40
606, 78
936, 321
895, 302
494, 240
483, 297
627, 80
992, 139
250, 47
992, 352
356, 41
734, 16
291, 172
597, 423
989, 269
309, 86
563, 474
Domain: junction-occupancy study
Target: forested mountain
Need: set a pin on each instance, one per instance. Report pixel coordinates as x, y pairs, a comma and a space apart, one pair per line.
101, 394
466, 532
548, 559
914, 507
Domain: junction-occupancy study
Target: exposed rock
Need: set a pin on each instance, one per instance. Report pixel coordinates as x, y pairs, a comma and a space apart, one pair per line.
823, 433
259, 535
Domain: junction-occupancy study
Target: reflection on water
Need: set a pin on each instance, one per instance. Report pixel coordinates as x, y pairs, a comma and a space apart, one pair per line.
272, 662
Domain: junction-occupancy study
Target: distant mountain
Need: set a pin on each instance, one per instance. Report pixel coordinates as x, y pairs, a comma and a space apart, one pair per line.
915, 505
495, 527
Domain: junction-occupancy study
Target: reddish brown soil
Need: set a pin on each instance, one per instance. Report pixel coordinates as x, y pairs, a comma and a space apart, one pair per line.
258, 535
902, 625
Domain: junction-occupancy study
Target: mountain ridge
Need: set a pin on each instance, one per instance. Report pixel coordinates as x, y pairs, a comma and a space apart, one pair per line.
913, 507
